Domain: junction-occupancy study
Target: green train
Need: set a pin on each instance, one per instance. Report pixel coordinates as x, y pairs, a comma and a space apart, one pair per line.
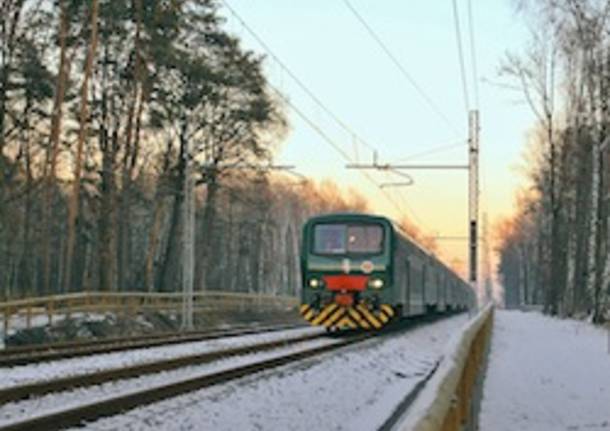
362, 271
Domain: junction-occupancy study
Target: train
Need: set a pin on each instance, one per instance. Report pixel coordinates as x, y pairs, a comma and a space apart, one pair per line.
361, 271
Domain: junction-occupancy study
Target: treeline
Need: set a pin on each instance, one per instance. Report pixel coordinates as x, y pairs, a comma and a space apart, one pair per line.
555, 251
102, 104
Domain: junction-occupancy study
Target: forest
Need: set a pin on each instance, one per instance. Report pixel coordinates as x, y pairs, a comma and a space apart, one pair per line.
103, 104
555, 250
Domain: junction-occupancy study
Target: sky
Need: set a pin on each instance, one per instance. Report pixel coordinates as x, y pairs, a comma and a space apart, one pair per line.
330, 51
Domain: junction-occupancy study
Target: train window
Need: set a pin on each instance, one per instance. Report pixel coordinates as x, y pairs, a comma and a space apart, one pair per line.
329, 239
364, 239
337, 238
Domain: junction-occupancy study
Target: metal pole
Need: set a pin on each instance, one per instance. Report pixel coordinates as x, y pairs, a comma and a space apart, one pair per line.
473, 197
188, 234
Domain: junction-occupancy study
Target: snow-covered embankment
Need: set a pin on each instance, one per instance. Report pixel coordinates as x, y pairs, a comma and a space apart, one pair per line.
436, 403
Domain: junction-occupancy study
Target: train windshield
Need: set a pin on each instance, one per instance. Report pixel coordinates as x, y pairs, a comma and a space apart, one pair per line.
339, 238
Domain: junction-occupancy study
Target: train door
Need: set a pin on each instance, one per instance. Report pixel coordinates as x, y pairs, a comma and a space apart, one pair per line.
445, 292
453, 295
424, 286
441, 292
407, 289
438, 291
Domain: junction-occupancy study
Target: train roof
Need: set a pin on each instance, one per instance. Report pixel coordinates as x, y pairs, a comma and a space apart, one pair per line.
347, 216
352, 216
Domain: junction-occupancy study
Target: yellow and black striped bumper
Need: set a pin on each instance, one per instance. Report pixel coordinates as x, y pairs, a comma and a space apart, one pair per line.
355, 316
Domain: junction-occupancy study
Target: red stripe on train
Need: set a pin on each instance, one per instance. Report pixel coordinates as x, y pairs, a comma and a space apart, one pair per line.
346, 282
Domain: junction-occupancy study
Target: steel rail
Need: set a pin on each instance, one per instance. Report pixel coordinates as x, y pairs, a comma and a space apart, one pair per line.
28, 390
23, 355
76, 415
59, 345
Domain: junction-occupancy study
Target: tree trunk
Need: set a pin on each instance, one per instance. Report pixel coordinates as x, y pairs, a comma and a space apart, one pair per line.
10, 21
53, 150
73, 207
129, 159
605, 285
169, 274
600, 252
153, 244
593, 230
154, 235
211, 255
107, 240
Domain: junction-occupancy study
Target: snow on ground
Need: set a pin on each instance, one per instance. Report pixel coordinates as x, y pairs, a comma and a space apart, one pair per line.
11, 376
357, 388
19, 321
12, 412
546, 374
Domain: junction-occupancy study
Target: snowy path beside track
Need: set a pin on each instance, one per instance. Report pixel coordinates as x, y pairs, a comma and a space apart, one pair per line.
546, 374
354, 389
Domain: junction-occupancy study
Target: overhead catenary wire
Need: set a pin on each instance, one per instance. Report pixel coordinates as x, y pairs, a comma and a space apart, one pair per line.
473, 56
311, 123
294, 77
417, 219
435, 150
406, 74
458, 37
340, 151
400, 67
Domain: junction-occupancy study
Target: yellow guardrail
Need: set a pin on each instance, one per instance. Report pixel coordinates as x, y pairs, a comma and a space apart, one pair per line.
449, 400
133, 302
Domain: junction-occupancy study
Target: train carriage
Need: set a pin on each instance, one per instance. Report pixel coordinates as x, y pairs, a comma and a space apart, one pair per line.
362, 271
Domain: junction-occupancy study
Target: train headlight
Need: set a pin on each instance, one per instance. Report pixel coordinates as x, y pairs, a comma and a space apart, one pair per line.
314, 283
376, 283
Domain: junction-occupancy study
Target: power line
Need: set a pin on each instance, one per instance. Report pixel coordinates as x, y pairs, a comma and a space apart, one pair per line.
418, 220
400, 67
458, 36
435, 150
473, 56
294, 77
311, 123
339, 150
318, 102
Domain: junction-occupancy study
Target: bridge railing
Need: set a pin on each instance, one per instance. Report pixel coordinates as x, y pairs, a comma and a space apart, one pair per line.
25, 312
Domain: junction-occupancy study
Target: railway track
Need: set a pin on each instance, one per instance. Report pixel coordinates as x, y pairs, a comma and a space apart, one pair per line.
14, 356
23, 391
309, 346
126, 395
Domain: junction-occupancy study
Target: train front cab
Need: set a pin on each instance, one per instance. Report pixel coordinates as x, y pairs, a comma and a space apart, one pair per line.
348, 279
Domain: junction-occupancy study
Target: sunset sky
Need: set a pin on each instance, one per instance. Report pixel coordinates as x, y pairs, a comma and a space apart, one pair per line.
325, 45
